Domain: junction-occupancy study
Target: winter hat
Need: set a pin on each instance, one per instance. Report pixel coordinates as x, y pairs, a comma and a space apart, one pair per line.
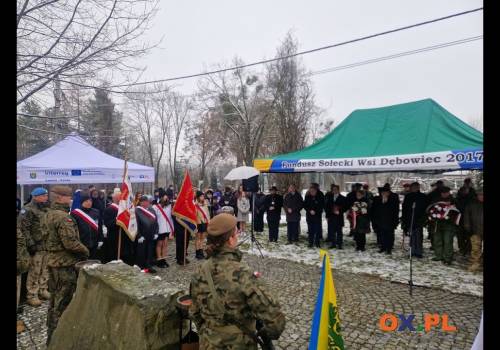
143, 199
84, 196
39, 191
117, 191
199, 194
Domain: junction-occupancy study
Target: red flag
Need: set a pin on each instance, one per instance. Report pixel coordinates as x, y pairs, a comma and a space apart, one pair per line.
126, 212
184, 209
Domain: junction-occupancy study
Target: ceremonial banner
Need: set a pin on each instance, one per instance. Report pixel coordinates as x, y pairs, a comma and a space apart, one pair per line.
184, 208
325, 332
126, 213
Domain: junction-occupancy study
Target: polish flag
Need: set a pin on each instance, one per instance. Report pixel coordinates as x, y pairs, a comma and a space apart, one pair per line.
126, 211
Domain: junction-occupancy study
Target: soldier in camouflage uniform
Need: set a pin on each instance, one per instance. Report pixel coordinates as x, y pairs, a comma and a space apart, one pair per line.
228, 298
64, 251
29, 224
23, 263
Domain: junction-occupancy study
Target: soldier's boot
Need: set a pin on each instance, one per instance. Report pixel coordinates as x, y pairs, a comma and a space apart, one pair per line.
474, 267
45, 295
20, 326
33, 301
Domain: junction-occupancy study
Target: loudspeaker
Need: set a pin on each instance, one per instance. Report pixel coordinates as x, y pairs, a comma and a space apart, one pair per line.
251, 184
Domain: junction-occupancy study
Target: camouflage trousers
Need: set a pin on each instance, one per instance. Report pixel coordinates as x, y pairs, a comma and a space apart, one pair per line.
476, 243
62, 285
211, 340
38, 275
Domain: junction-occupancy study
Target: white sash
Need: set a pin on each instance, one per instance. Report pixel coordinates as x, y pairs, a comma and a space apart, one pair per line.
148, 213
87, 218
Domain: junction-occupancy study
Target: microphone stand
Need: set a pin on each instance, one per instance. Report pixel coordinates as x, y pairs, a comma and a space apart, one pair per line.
412, 241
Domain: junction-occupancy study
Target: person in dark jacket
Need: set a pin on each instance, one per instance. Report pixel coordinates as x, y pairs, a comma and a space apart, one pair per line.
112, 232
360, 213
97, 202
473, 224
350, 199
273, 205
293, 204
259, 210
170, 192
213, 205
466, 195
147, 234
228, 199
314, 204
89, 224
414, 219
385, 216
335, 206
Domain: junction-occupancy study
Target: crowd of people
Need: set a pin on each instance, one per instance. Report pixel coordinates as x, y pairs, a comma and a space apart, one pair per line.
81, 225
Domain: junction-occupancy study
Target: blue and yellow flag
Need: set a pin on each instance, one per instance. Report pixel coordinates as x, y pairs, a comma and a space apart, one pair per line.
325, 332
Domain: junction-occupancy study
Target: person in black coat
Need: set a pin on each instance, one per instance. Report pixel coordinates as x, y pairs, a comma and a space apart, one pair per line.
227, 199
335, 206
89, 224
350, 199
97, 202
314, 204
385, 217
147, 233
273, 204
293, 204
413, 220
259, 210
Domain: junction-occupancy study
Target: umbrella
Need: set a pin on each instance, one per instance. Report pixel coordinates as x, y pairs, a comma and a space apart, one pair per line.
241, 173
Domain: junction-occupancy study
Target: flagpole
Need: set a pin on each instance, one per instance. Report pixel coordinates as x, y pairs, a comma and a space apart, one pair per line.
185, 245
119, 243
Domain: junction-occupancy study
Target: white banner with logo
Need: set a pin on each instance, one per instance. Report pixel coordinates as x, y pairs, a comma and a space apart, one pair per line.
81, 176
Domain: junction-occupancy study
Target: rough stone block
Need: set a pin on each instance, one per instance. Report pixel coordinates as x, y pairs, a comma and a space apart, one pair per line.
116, 306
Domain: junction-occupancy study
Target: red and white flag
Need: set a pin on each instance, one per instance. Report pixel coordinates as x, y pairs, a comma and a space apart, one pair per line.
126, 212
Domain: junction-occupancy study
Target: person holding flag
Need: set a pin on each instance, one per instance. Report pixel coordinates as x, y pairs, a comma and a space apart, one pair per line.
203, 215
325, 330
89, 224
184, 211
163, 211
126, 219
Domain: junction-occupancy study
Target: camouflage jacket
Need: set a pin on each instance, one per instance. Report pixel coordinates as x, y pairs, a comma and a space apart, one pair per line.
23, 257
63, 244
245, 299
29, 224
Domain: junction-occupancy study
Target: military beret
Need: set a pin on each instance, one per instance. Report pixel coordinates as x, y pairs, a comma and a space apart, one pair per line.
39, 191
221, 224
62, 190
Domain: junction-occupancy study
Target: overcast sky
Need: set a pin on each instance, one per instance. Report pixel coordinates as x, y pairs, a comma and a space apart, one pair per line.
200, 33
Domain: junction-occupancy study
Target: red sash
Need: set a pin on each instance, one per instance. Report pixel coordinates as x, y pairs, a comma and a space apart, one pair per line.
148, 213
166, 218
114, 206
85, 217
202, 212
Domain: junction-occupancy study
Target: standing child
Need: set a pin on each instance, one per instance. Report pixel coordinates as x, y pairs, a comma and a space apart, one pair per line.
163, 210
203, 215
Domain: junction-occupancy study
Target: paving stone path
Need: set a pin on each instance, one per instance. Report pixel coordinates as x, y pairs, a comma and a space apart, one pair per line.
362, 300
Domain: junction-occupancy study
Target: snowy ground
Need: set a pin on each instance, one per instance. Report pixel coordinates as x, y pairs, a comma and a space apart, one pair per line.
396, 267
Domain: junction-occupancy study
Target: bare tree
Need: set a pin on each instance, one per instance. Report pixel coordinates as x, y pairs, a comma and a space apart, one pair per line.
293, 107
205, 141
180, 108
60, 40
240, 99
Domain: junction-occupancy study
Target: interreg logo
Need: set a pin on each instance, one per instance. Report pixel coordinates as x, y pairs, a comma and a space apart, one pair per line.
390, 322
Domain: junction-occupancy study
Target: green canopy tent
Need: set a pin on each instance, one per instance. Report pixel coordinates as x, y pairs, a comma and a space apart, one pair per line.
418, 136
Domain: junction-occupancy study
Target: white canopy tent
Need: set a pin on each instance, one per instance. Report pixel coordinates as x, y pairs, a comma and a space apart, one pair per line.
74, 161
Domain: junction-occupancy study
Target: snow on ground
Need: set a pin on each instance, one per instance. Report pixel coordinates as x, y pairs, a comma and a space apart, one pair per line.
396, 267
